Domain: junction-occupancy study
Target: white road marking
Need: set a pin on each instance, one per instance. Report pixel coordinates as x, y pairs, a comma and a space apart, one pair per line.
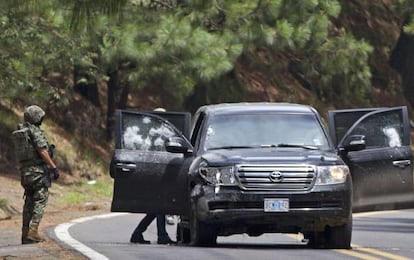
371, 213
62, 233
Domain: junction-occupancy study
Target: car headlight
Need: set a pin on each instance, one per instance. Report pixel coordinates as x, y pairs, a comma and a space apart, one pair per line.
332, 174
218, 175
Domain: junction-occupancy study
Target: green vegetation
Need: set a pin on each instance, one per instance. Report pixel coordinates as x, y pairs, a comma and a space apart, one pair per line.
83, 192
103, 188
405, 9
174, 46
3, 202
74, 198
8, 120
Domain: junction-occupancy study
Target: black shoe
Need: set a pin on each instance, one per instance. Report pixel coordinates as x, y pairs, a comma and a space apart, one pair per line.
138, 238
28, 241
165, 241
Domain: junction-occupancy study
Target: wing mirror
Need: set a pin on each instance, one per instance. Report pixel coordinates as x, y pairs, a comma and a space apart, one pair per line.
354, 143
178, 145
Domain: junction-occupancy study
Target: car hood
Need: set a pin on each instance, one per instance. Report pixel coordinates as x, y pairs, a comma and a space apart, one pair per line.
270, 156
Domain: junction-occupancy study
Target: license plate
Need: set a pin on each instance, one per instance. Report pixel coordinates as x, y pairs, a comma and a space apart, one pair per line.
276, 205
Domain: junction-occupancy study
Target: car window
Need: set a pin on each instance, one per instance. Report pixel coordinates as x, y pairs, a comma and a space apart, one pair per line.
197, 127
343, 121
141, 132
265, 129
381, 130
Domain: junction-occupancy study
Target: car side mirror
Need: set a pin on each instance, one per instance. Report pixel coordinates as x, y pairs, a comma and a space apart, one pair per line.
354, 143
178, 145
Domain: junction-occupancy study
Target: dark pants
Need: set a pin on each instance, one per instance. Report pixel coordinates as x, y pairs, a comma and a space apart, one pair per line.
146, 221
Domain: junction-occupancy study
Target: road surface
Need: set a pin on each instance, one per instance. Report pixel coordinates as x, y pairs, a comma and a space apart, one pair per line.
376, 235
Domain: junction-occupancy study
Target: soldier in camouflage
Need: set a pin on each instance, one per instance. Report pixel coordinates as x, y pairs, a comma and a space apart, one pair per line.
35, 163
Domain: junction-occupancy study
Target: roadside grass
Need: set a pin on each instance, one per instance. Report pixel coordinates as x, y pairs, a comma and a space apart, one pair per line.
74, 198
88, 192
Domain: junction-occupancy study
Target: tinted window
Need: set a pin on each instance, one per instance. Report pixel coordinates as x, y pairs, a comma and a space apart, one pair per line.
265, 129
381, 130
146, 133
181, 120
199, 118
343, 121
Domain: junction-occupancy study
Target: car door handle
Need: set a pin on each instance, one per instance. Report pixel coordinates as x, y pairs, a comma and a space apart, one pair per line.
126, 167
402, 163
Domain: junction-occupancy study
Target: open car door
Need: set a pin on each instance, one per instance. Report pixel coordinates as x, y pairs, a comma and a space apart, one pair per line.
382, 173
147, 178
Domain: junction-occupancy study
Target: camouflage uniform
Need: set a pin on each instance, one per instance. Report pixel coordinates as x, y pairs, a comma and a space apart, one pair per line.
32, 170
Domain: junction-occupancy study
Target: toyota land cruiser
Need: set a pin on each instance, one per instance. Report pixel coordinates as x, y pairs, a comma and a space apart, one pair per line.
247, 168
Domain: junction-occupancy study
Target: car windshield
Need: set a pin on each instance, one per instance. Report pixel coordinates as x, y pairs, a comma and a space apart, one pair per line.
265, 130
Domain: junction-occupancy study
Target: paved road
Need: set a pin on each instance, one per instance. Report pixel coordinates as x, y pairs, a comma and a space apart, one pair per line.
377, 235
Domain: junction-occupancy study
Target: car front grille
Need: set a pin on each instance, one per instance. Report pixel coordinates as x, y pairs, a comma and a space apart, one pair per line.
276, 177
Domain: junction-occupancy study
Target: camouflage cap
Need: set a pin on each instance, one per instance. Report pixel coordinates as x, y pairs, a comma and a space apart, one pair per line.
33, 114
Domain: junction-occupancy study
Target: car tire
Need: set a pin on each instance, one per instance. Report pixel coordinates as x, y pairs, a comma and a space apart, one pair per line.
201, 233
183, 234
340, 237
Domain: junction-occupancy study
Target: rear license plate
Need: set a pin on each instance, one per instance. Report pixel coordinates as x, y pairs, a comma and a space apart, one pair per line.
276, 205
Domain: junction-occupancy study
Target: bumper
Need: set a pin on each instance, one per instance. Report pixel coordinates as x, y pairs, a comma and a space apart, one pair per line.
243, 211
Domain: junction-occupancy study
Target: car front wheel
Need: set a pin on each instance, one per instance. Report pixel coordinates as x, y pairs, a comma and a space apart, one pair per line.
202, 234
183, 234
338, 237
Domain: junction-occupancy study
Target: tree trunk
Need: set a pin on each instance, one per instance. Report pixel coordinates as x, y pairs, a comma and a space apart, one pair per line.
86, 85
402, 60
113, 85
123, 99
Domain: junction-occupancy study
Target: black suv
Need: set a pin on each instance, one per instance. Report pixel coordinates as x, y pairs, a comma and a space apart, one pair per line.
260, 168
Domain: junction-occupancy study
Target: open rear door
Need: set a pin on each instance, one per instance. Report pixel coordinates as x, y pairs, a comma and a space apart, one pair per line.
147, 178
382, 173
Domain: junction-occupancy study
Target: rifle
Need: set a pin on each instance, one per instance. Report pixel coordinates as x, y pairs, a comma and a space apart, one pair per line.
47, 181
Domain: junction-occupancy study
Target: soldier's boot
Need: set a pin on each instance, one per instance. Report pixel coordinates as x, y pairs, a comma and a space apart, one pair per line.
34, 236
25, 240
